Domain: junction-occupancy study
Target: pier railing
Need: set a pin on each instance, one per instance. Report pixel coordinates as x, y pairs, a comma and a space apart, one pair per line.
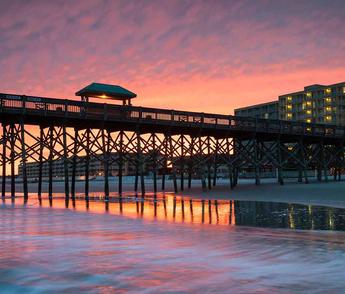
50, 107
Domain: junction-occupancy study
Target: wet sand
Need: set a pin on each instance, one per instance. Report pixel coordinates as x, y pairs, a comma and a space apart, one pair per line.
48, 250
316, 193
331, 193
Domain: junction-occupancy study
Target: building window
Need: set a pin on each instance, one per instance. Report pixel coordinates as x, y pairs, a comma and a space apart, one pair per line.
309, 94
328, 99
328, 108
328, 118
289, 115
289, 98
308, 120
308, 103
308, 111
328, 91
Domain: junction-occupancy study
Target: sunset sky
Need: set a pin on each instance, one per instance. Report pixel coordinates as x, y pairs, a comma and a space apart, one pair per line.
210, 56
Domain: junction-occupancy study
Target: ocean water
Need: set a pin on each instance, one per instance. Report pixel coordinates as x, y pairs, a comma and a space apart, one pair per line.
170, 245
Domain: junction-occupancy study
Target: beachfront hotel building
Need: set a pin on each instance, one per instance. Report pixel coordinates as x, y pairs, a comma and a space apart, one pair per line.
315, 104
96, 167
269, 110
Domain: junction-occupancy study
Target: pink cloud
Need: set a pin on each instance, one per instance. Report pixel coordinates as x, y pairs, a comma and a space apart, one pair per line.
200, 55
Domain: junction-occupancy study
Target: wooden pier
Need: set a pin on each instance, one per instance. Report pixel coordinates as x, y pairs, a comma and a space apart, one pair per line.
184, 143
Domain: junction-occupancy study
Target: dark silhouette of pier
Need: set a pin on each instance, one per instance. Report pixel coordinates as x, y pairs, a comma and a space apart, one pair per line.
183, 144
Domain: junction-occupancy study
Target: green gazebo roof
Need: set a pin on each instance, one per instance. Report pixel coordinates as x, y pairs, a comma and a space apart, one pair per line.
106, 91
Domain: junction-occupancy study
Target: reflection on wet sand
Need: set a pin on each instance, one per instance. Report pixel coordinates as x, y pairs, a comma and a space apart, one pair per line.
168, 208
200, 211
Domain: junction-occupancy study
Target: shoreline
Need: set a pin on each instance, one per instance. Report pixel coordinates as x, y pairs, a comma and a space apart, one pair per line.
330, 193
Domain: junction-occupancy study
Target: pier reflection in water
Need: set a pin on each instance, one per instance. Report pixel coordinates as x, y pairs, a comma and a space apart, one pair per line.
199, 211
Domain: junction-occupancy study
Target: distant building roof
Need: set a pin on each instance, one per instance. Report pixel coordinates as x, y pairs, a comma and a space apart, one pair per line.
313, 87
275, 103
106, 91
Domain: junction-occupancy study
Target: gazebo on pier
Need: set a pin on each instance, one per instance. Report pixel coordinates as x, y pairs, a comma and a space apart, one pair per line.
105, 91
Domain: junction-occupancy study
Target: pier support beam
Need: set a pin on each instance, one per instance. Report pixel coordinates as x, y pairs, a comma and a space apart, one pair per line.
256, 162
120, 161
24, 171
12, 159
87, 163
4, 159
137, 163
324, 164
341, 161
201, 165
140, 164
230, 167
215, 160
40, 164
66, 162
182, 158
190, 165
153, 136
280, 162
74, 162
173, 163
208, 142
304, 160
50, 162
105, 146
235, 148
165, 160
